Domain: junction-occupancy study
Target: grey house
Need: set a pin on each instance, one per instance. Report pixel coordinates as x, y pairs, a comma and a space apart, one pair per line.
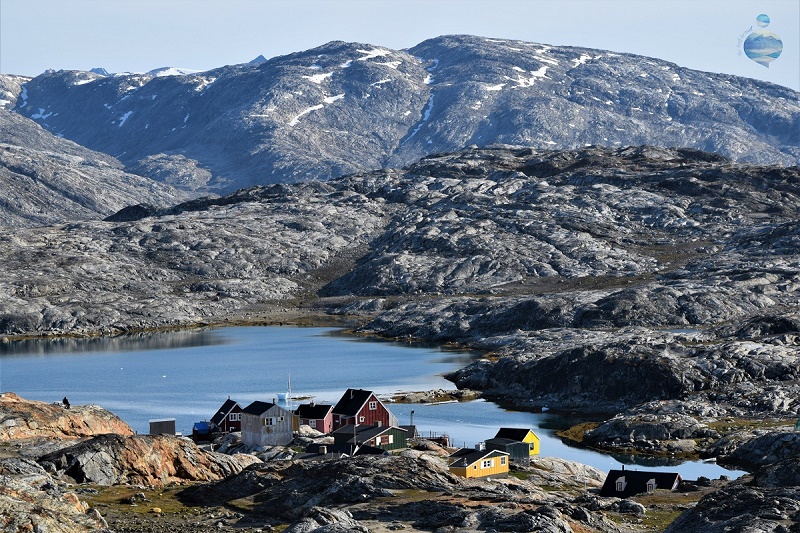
266, 424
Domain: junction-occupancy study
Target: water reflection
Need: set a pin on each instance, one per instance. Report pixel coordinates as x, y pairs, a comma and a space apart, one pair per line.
123, 343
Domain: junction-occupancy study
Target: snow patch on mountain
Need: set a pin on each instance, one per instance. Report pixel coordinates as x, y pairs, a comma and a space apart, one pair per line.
318, 78
124, 117
305, 111
332, 99
370, 54
171, 71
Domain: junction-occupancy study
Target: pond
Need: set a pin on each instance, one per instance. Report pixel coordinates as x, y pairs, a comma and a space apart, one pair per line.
187, 375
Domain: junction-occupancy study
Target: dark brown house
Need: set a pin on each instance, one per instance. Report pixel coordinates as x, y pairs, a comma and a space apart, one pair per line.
228, 418
361, 407
624, 483
317, 416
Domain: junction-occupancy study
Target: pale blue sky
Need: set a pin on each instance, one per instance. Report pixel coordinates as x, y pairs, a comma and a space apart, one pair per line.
140, 35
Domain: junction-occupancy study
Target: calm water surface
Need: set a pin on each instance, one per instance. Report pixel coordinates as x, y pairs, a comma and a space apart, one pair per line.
188, 375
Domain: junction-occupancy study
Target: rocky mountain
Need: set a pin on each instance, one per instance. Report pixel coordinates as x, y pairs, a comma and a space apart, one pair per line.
675, 271
47, 180
348, 107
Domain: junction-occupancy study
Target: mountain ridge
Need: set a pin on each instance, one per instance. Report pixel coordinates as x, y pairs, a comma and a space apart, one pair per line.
343, 107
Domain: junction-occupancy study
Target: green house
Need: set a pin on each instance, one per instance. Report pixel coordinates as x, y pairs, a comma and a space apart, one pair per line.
384, 437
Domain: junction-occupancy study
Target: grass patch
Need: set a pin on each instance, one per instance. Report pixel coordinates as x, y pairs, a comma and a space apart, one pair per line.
524, 476
659, 520
729, 425
118, 497
575, 433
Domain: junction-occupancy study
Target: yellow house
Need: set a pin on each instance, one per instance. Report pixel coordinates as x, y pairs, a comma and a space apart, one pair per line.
521, 435
470, 463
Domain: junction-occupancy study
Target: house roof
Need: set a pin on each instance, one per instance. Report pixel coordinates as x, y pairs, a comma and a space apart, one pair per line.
315, 411
411, 430
313, 451
636, 482
363, 432
352, 401
517, 434
258, 408
503, 442
223, 411
467, 456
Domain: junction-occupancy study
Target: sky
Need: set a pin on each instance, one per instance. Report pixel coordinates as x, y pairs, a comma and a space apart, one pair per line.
140, 35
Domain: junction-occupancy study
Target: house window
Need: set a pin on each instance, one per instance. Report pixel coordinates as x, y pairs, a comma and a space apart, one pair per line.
312, 423
361, 419
474, 467
621, 484
235, 417
379, 423
502, 460
651, 485
385, 439
269, 421
391, 439
487, 463
373, 406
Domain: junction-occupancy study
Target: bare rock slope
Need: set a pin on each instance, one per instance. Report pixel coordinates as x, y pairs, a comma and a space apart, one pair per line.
674, 272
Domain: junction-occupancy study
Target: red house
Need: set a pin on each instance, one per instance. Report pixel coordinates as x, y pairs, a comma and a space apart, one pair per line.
229, 417
316, 416
359, 406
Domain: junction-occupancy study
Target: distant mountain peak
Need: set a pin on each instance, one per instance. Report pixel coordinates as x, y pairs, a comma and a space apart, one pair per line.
101, 71
171, 71
258, 61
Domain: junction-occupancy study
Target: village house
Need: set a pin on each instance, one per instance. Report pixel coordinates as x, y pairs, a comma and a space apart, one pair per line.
358, 406
624, 483
266, 424
471, 463
518, 435
228, 418
316, 416
386, 438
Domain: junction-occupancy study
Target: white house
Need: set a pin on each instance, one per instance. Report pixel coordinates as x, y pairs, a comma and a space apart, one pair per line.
266, 424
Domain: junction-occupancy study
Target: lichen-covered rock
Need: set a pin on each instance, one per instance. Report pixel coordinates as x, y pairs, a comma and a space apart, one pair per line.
25, 419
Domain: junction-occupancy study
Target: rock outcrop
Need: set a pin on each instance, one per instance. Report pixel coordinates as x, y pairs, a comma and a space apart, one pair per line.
141, 460
31, 500
757, 448
768, 503
28, 419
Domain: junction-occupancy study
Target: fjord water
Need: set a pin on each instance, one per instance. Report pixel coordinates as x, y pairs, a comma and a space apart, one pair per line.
187, 375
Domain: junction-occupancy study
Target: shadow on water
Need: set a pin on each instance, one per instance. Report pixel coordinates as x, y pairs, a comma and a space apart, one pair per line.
122, 343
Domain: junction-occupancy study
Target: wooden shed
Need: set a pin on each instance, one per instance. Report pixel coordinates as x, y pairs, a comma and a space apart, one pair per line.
266, 424
525, 435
